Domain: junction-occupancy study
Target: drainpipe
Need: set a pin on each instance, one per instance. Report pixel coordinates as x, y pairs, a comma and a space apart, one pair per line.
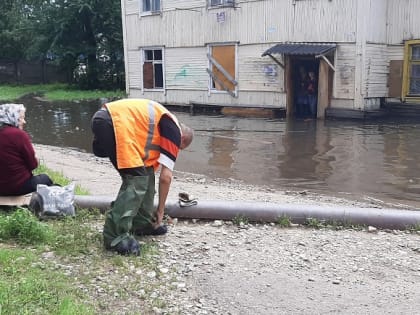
271, 212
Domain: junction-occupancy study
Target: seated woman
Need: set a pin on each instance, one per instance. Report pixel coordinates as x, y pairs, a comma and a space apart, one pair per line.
17, 154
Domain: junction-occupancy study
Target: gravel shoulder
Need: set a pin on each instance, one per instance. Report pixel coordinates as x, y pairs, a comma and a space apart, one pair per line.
221, 268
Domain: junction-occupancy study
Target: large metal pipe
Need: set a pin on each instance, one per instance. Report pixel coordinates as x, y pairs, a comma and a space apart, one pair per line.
271, 212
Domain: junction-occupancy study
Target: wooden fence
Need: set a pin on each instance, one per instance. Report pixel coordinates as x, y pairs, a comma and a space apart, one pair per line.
27, 72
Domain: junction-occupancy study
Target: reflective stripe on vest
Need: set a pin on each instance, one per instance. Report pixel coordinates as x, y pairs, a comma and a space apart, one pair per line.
150, 133
137, 135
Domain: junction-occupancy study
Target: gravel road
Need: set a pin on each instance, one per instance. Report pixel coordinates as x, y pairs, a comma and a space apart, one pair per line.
218, 267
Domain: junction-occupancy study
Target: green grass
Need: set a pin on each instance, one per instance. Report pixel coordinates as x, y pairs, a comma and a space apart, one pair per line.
13, 92
52, 267
314, 223
29, 285
60, 267
23, 227
58, 178
54, 92
240, 219
283, 221
414, 228
63, 94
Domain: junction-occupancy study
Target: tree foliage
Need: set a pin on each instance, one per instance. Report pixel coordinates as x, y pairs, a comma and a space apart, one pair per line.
15, 35
83, 36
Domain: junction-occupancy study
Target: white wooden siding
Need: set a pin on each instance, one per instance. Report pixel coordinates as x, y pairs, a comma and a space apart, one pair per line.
135, 71
186, 68
168, 5
132, 6
344, 78
361, 28
395, 52
306, 20
133, 32
258, 73
403, 20
191, 23
322, 20
183, 97
376, 20
376, 71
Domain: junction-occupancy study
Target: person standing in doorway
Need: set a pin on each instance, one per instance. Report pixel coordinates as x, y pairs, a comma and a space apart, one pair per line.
302, 90
312, 94
138, 136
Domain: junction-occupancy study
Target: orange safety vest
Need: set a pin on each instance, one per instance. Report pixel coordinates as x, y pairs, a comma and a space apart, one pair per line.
137, 135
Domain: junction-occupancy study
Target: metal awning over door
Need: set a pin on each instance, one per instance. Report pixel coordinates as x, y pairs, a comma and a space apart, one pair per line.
301, 49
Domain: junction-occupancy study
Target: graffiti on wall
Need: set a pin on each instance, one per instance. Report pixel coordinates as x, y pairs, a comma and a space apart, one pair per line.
270, 72
182, 73
187, 76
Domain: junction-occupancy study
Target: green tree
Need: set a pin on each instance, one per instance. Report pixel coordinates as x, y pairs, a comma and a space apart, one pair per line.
84, 31
83, 36
16, 36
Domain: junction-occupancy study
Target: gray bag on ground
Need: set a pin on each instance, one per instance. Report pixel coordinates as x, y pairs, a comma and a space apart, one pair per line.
53, 201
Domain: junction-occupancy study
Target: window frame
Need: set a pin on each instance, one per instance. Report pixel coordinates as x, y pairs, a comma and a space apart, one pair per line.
144, 12
222, 3
211, 89
408, 62
154, 62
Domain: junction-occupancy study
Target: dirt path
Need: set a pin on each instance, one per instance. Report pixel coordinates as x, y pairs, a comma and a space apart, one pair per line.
221, 268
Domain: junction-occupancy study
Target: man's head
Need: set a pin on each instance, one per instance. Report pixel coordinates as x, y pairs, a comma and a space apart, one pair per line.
186, 137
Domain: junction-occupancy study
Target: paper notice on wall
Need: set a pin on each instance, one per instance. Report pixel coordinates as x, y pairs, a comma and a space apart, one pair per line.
221, 17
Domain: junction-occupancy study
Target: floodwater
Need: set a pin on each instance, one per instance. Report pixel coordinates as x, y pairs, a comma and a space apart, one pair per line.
377, 159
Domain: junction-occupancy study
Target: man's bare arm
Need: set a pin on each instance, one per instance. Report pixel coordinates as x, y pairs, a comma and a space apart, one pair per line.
165, 180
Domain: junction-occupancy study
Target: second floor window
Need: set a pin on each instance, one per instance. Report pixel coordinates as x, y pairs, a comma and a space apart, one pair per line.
222, 2
151, 5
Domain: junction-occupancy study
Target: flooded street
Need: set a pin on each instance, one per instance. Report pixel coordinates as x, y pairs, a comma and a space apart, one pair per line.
376, 159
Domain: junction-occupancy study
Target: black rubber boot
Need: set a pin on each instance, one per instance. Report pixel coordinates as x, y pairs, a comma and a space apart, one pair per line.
161, 230
128, 246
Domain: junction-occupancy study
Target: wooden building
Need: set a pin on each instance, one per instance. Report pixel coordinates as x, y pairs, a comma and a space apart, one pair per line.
249, 53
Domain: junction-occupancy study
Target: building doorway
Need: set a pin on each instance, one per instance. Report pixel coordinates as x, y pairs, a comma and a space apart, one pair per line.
300, 59
304, 81
309, 82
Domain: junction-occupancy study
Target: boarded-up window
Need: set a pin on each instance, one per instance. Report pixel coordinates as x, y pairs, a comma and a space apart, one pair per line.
153, 69
222, 73
395, 78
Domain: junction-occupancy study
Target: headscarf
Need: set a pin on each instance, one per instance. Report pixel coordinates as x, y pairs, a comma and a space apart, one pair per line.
10, 114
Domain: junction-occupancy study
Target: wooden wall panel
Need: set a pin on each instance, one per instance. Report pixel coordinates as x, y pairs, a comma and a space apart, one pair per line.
376, 71
395, 78
186, 68
258, 73
403, 21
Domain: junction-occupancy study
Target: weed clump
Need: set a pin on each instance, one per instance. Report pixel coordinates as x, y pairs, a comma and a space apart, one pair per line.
284, 221
22, 226
240, 219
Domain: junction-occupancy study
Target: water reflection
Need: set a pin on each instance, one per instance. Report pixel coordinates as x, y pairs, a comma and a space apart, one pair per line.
220, 158
61, 124
303, 152
377, 159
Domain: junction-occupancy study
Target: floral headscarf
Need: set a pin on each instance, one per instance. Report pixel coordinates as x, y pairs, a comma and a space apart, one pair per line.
10, 114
